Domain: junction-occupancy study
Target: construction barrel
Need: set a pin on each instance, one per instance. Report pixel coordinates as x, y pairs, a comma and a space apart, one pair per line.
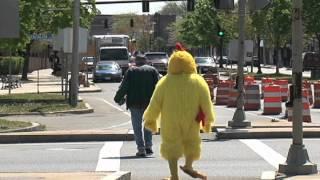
284, 88
316, 87
223, 92
252, 97
272, 100
306, 116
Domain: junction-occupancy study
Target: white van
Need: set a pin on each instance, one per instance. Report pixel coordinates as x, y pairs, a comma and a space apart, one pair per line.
119, 54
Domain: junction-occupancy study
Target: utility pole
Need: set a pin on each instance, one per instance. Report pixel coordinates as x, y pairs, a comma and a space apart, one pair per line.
239, 117
75, 55
298, 162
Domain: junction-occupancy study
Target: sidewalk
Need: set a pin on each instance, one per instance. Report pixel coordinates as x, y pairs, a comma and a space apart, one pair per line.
48, 83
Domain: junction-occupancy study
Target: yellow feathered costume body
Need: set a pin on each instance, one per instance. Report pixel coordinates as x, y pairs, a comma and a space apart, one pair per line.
177, 99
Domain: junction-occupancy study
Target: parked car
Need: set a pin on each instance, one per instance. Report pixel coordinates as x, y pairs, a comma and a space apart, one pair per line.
107, 70
205, 64
224, 60
159, 60
89, 62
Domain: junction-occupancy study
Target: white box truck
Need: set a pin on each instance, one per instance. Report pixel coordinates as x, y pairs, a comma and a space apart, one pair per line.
233, 51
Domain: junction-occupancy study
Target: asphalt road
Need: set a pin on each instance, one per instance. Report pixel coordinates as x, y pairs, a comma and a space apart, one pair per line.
232, 159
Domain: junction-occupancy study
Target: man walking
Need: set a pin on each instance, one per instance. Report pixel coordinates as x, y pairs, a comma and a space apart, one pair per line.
136, 89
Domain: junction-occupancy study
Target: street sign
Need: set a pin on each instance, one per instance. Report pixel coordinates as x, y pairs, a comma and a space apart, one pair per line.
41, 37
63, 40
9, 19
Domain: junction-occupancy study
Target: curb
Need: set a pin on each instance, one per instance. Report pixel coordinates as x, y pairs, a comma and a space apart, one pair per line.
66, 136
77, 111
33, 127
256, 133
119, 175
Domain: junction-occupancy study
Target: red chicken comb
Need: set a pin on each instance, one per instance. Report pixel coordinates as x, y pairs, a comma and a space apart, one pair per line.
179, 47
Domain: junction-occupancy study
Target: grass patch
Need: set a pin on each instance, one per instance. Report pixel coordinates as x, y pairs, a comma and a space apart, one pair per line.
45, 102
7, 125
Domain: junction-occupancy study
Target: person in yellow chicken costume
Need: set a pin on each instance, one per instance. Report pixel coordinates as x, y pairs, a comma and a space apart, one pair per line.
178, 99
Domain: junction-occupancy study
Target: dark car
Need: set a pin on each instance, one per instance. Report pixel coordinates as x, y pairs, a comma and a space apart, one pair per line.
107, 71
205, 64
159, 60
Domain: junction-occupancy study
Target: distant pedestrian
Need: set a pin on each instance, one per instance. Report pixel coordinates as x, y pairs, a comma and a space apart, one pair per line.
182, 101
136, 89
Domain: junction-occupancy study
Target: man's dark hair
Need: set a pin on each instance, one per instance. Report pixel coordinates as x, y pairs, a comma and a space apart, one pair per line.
140, 60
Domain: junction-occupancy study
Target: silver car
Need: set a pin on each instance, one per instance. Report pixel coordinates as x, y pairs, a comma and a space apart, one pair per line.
107, 71
205, 64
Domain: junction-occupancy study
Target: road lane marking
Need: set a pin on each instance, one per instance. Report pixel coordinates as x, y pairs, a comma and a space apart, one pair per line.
109, 157
116, 107
119, 125
264, 151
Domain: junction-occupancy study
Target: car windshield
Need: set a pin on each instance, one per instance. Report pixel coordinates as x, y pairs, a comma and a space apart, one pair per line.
113, 54
203, 60
156, 56
106, 67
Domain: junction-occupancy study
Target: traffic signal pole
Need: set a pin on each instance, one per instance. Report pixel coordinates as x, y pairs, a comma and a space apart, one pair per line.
75, 55
221, 51
298, 162
239, 117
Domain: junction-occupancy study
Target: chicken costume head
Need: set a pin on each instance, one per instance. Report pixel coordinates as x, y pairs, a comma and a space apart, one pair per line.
176, 101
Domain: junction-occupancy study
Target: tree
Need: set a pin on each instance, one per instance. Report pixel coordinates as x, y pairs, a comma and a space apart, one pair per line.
279, 26
259, 23
311, 10
45, 16
172, 8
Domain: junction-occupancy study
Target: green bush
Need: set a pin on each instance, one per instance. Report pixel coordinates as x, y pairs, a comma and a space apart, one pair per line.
16, 65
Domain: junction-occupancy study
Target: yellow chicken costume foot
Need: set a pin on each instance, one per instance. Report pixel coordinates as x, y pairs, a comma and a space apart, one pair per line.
193, 173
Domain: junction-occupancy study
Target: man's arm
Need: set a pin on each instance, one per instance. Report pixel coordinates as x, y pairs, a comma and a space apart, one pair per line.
123, 89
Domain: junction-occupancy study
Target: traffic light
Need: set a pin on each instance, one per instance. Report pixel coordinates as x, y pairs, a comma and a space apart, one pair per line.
224, 4
145, 6
220, 31
190, 5
131, 23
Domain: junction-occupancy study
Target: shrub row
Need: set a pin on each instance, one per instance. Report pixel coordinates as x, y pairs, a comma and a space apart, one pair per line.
16, 65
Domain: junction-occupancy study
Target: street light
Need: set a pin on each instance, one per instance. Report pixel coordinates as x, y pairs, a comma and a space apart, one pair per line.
150, 40
297, 162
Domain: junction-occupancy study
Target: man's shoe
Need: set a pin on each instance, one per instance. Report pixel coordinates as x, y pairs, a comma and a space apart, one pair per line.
141, 153
149, 151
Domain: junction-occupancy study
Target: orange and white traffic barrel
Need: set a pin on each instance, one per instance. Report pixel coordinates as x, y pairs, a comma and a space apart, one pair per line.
211, 87
316, 87
252, 97
214, 77
266, 82
284, 88
223, 92
232, 98
272, 100
307, 85
306, 108
249, 80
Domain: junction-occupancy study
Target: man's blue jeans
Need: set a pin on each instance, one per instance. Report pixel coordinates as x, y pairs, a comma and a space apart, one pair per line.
142, 136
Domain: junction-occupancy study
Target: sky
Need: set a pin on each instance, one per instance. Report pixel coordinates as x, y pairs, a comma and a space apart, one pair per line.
124, 8
128, 7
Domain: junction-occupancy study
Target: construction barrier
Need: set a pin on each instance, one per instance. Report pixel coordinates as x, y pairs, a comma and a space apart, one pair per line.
211, 87
249, 80
252, 97
232, 98
223, 92
214, 77
265, 82
272, 100
306, 108
284, 88
307, 85
316, 87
